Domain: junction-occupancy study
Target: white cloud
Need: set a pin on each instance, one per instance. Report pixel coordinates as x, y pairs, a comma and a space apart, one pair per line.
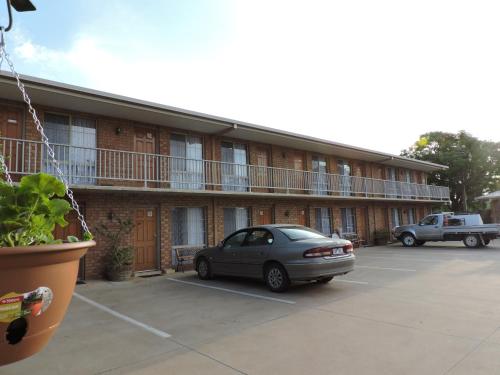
372, 74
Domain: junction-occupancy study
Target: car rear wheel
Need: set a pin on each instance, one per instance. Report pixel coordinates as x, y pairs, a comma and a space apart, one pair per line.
276, 278
408, 240
204, 270
325, 280
472, 240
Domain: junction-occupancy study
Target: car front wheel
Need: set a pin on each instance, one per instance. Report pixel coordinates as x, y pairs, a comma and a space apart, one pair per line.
276, 278
203, 268
408, 240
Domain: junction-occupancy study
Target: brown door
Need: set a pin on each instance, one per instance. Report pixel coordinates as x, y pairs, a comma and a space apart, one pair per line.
296, 163
302, 217
145, 239
262, 171
264, 216
145, 143
72, 229
10, 127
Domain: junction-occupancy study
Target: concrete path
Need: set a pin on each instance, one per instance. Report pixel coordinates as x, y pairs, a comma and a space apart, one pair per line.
429, 310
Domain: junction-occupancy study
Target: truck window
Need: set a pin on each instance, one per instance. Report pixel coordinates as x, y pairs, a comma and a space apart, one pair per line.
429, 220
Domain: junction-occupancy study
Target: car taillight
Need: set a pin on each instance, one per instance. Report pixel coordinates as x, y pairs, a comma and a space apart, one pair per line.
348, 248
318, 252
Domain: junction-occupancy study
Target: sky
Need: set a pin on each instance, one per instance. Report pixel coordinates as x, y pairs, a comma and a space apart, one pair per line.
374, 74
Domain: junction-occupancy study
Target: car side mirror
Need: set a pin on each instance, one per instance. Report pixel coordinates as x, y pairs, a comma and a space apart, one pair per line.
270, 241
220, 245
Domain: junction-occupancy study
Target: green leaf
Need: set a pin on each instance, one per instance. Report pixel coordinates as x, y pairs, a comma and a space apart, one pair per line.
72, 239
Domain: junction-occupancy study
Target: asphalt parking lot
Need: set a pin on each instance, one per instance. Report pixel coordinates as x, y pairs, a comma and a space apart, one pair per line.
429, 310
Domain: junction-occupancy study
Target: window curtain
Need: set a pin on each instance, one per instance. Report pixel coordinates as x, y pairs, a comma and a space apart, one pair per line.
234, 167
323, 221
187, 162
344, 170
83, 155
395, 217
349, 220
319, 178
234, 219
74, 145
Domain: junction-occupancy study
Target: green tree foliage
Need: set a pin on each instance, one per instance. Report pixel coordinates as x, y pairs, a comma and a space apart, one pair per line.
474, 166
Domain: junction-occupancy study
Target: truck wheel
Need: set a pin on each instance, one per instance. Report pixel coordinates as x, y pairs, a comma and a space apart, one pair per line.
419, 243
472, 240
408, 240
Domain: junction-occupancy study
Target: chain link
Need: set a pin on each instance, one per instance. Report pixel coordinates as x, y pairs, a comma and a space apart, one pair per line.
45, 140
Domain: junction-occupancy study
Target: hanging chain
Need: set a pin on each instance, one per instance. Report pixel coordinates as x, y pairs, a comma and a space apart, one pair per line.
45, 140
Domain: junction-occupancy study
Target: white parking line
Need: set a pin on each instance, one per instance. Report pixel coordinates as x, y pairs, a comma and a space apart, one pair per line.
400, 257
386, 268
351, 281
233, 291
126, 318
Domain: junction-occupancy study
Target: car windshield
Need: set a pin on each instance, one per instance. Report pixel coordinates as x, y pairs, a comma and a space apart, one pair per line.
300, 233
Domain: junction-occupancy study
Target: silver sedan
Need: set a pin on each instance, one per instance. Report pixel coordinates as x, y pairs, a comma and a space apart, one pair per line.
279, 254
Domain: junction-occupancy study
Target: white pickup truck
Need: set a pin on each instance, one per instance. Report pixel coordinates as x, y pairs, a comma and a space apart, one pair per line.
468, 228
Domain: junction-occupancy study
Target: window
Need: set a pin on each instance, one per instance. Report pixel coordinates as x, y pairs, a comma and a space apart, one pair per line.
429, 220
74, 141
408, 176
323, 220
235, 218
319, 178
259, 237
188, 226
187, 162
411, 216
300, 233
344, 170
392, 188
348, 220
236, 240
396, 217
234, 167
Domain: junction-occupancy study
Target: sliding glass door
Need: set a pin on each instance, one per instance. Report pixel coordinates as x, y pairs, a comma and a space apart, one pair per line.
74, 142
234, 167
187, 170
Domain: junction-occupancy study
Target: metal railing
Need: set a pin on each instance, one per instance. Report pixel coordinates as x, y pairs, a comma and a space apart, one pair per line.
97, 166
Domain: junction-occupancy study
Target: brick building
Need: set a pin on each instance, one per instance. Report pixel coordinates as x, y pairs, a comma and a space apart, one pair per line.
189, 179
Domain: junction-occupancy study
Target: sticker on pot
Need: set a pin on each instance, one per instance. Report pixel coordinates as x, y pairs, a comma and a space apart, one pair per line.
17, 305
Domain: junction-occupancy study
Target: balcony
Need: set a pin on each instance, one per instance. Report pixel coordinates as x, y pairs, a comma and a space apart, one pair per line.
86, 167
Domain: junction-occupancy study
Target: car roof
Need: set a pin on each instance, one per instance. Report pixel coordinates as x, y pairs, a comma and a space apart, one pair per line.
271, 226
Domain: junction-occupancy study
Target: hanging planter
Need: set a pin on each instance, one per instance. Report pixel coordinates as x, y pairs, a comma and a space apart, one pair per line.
36, 285
37, 272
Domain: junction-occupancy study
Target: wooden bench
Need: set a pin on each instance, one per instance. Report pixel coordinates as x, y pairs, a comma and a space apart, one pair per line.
185, 254
356, 240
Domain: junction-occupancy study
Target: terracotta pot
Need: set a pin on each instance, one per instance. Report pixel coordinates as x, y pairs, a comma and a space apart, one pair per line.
36, 286
123, 273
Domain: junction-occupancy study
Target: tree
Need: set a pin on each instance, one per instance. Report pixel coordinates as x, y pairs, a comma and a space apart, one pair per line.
474, 167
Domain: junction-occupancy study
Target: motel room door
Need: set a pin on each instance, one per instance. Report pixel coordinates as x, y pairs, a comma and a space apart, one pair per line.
145, 239
10, 127
73, 228
145, 146
264, 216
302, 219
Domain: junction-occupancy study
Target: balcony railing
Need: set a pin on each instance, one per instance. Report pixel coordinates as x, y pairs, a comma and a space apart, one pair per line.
96, 166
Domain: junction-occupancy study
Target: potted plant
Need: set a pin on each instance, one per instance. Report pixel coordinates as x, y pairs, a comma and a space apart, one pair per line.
120, 265
381, 236
37, 271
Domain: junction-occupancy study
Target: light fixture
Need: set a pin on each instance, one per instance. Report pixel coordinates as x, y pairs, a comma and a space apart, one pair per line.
118, 131
18, 5
23, 5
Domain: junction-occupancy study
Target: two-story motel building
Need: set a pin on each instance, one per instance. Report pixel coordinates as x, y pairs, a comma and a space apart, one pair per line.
189, 179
